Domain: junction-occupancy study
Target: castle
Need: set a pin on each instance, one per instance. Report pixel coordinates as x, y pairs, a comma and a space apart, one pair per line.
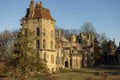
58, 51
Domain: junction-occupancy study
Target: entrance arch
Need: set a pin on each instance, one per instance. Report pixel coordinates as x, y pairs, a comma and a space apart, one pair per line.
66, 63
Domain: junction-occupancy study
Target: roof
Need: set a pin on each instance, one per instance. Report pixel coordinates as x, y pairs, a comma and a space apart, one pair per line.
38, 12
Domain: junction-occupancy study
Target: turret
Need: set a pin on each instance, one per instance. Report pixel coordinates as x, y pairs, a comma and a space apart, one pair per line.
40, 4
31, 10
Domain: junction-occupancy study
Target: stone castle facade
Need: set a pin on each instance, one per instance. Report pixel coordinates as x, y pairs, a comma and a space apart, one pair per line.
58, 52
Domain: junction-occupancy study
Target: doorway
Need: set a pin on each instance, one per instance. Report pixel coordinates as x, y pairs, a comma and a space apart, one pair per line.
66, 63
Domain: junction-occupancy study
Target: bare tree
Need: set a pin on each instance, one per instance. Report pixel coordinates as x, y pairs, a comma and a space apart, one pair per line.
6, 43
67, 32
87, 28
103, 38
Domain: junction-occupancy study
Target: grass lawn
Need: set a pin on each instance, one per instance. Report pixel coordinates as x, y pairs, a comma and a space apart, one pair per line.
88, 74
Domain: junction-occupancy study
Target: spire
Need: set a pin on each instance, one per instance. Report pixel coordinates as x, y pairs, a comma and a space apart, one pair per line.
32, 4
40, 4
31, 9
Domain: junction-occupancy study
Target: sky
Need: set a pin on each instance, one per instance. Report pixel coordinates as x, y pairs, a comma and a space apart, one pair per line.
103, 14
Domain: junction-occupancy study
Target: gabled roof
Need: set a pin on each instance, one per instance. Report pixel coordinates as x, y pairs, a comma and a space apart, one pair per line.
37, 12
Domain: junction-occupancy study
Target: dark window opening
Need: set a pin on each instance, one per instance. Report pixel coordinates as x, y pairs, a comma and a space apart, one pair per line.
43, 45
38, 32
66, 63
37, 44
26, 32
44, 42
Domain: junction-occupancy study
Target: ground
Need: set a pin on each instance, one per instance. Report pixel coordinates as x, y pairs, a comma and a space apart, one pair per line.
88, 74
79, 74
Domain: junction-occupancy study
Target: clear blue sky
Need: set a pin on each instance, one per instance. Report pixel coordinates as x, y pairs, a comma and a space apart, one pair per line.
103, 14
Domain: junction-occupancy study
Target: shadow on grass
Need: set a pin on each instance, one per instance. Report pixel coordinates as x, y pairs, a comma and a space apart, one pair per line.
88, 74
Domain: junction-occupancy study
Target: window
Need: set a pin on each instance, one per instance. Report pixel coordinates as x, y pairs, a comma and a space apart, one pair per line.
38, 32
43, 45
74, 62
26, 32
88, 36
77, 62
51, 44
37, 44
51, 33
58, 60
52, 58
66, 63
44, 42
45, 56
44, 30
38, 55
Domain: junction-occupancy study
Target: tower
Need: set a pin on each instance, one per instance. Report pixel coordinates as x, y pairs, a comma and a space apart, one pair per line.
39, 21
73, 38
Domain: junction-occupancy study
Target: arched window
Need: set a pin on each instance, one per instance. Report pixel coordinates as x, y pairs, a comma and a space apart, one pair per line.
44, 42
38, 31
66, 63
37, 44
